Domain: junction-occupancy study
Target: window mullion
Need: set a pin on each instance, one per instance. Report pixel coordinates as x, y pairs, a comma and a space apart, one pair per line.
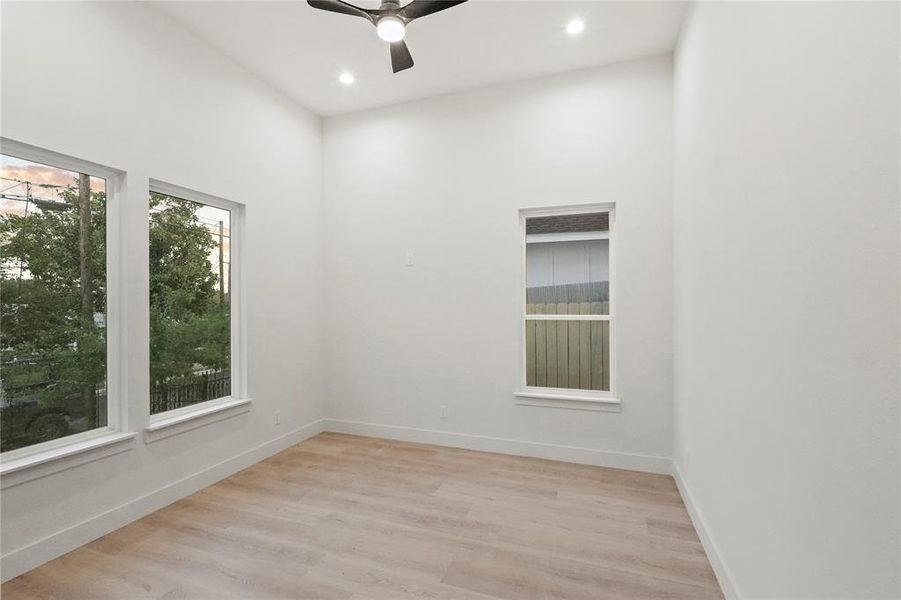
567, 317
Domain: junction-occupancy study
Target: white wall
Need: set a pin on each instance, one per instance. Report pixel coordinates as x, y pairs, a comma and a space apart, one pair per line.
787, 299
443, 180
120, 85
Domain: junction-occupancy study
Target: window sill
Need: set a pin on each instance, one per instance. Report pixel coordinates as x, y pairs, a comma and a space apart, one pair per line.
19, 470
552, 398
167, 424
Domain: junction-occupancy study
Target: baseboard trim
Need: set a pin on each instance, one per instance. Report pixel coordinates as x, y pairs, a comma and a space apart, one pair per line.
720, 568
37, 553
587, 456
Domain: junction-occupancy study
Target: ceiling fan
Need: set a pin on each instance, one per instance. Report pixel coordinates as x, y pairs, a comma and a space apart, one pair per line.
390, 21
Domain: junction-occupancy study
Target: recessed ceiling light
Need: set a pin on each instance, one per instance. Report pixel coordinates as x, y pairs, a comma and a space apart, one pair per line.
347, 78
575, 27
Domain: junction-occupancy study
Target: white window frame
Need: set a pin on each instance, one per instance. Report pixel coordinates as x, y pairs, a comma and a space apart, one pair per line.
177, 420
595, 400
16, 465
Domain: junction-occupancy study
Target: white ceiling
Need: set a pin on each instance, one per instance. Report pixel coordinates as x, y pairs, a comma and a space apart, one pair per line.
301, 51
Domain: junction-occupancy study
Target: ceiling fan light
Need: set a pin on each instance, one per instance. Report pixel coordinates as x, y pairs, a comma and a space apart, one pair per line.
391, 29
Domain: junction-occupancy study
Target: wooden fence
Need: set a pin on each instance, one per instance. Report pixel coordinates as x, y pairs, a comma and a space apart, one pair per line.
568, 354
199, 388
593, 291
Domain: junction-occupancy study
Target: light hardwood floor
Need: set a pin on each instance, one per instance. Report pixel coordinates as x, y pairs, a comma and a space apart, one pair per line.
350, 517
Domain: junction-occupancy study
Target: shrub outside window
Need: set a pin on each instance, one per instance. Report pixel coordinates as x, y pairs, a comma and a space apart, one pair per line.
53, 303
190, 302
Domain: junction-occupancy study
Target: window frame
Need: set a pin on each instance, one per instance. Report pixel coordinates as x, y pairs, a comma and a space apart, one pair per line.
116, 427
238, 401
596, 400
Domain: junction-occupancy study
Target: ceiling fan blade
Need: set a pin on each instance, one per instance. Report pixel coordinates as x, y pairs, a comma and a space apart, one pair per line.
339, 6
422, 8
400, 56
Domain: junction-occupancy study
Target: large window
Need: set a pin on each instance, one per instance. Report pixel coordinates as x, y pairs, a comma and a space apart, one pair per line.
53, 293
190, 301
567, 320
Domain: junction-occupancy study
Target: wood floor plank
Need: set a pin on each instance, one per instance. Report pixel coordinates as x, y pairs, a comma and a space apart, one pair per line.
347, 517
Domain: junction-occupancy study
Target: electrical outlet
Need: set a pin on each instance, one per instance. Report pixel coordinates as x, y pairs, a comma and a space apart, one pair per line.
409, 260
444, 411
277, 418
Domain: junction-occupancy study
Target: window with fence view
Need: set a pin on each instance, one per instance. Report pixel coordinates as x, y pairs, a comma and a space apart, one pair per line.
52, 303
190, 299
567, 320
